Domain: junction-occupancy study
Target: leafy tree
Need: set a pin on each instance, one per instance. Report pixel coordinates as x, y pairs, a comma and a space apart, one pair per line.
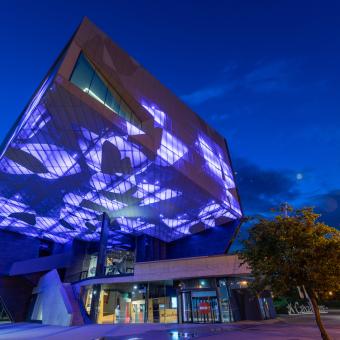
294, 249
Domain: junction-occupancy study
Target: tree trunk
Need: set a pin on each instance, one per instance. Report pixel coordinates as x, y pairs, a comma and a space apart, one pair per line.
318, 320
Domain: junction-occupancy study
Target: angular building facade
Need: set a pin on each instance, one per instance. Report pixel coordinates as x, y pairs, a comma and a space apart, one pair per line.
118, 203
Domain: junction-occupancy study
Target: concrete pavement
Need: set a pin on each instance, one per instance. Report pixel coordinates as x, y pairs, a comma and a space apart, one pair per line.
285, 327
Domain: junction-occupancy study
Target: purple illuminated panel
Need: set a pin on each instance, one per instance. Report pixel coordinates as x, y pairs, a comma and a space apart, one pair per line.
10, 167
133, 130
214, 160
9, 206
173, 223
70, 162
56, 160
13, 222
28, 113
158, 115
129, 180
130, 223
171, 149
46, 223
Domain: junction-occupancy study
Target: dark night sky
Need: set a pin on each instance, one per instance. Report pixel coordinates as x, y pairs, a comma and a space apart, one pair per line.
265, 74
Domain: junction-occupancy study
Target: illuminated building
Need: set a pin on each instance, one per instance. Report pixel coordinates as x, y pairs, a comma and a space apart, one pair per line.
118, 197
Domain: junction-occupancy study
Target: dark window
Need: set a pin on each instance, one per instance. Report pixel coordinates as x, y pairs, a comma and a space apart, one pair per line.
45, 248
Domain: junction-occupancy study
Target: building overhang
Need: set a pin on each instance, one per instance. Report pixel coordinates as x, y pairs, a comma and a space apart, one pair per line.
70, 157
178, 269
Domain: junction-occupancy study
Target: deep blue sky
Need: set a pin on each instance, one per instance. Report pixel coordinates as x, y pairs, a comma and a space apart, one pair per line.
265, 74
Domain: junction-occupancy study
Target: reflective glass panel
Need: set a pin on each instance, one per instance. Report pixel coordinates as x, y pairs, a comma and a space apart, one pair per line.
124, 111
112, 101
98, 89
82, 74
88, 79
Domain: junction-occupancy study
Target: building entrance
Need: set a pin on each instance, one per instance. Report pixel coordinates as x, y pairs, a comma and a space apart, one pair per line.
200, 306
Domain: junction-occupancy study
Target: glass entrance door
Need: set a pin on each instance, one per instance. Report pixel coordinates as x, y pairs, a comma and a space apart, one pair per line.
186, 306
200, 306
205, 307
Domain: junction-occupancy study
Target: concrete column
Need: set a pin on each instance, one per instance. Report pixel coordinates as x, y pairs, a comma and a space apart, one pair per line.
146, 314
100, 269
94, 312
104, 233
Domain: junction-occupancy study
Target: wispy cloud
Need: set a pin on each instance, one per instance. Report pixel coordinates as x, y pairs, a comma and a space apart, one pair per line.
264, 78
268, 77
263, 189
220, 117
202, 95
328, 204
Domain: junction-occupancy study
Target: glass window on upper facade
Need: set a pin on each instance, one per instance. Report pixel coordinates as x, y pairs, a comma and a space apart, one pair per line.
88, 79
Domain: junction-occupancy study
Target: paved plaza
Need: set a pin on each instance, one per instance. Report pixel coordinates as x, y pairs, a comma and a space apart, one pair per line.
284, 327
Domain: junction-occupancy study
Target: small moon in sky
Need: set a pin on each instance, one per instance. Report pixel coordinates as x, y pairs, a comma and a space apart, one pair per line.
299, 176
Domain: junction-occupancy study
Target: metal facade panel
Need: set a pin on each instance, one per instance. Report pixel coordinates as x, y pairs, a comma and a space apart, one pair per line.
71, 157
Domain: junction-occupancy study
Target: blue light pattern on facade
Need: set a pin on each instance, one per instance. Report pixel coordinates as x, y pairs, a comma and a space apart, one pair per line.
65, 165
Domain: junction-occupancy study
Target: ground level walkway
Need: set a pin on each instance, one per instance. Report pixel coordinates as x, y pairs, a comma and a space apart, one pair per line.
285, 327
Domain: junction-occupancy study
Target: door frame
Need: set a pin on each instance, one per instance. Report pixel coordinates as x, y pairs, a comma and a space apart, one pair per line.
189, 291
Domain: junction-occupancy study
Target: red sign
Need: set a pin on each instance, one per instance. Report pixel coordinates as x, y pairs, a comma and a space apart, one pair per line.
204, 307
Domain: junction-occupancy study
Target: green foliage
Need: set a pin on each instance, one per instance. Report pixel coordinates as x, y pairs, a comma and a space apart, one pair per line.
280, 305
293, 250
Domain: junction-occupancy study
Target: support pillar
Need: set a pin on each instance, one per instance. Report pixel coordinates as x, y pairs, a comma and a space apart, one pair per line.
147, 291
100, 268
104, 233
